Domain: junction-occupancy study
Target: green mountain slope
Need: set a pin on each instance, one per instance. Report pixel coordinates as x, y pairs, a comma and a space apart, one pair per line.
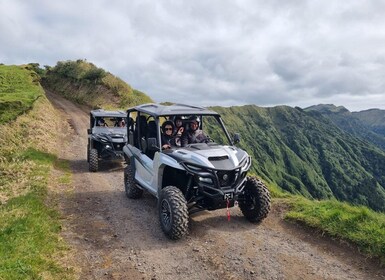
368, 125
374, 118
305, 153
84, 83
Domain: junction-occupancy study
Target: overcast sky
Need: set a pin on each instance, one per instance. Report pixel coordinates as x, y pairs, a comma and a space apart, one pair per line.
296, 53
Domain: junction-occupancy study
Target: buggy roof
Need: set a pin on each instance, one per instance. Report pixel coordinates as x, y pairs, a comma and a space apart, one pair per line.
155, 109
103, 113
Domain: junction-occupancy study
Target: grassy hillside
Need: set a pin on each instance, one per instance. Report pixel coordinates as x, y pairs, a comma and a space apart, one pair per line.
30, 245
359, 225
84, 83
374, 118
307, 154
19, 88
368, 125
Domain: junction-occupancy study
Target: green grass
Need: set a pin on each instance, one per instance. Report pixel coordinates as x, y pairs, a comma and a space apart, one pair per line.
28, 237
84, 83
29, 229
30, 243
18, 91
38, 156
357, 224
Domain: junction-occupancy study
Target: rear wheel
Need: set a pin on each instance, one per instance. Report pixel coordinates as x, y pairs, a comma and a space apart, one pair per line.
132, 191
173, 212
93, 162
256, 205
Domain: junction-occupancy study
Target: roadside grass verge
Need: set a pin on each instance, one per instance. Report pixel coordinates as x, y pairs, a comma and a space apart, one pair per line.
358, 225
30, 243
29, 237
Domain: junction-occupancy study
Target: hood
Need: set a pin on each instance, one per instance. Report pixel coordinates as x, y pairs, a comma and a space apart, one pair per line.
113, 134
212, 156
109, 130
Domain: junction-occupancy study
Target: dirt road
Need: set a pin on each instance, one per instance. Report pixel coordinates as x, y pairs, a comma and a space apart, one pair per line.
116, 238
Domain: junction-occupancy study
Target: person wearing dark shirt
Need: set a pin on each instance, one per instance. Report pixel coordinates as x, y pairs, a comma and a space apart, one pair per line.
101, 122
168, 138
193, 134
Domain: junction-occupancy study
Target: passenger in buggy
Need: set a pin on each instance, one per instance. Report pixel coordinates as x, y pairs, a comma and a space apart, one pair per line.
168, 138
179, 129
120, 122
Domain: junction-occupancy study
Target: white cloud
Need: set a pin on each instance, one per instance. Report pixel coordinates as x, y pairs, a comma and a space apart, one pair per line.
297, 53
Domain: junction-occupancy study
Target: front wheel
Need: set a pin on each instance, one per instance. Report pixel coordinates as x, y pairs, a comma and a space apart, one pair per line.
93, 160
173, 212
256, 204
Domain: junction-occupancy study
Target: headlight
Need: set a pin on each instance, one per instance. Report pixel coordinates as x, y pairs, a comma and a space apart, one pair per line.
205, 180
245, 164
108, 147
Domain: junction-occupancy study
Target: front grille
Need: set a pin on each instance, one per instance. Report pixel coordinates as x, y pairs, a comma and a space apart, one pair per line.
226, 178
118, 146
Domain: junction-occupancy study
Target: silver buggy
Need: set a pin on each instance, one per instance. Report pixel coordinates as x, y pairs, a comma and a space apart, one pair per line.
185, 179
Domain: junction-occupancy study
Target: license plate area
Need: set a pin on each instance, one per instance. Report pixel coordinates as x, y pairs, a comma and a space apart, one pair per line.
229, 195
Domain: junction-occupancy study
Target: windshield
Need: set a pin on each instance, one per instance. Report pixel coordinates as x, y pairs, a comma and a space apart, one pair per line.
111, 122
212, 128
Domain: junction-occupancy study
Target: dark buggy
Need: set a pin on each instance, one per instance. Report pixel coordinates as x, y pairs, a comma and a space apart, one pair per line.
106, 136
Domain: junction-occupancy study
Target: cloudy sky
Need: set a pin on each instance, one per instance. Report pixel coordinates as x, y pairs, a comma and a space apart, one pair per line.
297, 53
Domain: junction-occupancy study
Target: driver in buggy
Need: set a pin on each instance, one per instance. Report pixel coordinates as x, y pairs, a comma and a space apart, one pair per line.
101, 122
193, 134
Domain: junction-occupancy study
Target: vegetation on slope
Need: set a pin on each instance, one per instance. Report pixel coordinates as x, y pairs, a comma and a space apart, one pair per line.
19, 88
308, 155
356, 224
374, 118
30, 245
368, 125
84, 83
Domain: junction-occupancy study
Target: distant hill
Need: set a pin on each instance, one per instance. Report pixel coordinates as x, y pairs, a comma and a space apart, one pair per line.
328, 109
304, 152
368, 125
374, 118
84, 83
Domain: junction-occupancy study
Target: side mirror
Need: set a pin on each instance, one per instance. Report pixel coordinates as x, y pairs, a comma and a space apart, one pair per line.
89, 130
152, 144
237, 138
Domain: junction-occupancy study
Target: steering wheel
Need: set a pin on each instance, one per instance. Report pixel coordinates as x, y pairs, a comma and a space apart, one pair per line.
206, 140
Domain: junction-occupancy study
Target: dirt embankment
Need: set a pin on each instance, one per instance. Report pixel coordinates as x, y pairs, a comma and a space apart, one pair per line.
113, 237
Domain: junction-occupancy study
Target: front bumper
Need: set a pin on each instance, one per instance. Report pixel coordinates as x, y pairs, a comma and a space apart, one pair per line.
215, 189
